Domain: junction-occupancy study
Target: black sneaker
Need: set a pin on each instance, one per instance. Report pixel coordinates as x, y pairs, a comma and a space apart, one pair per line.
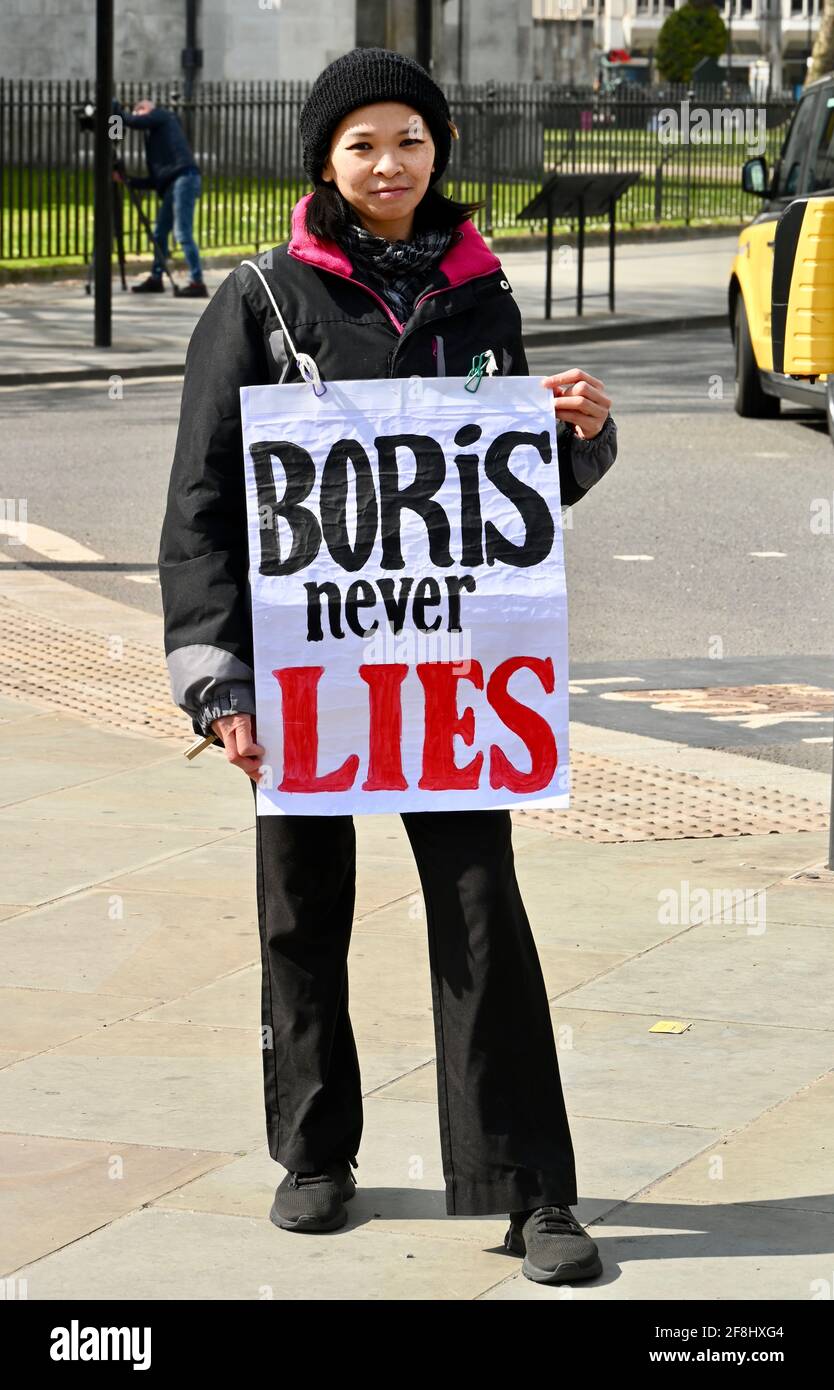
555, 1247
195, 289
314, 1201
152, 284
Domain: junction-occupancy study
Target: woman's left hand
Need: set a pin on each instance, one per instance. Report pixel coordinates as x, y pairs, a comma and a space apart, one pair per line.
580, 399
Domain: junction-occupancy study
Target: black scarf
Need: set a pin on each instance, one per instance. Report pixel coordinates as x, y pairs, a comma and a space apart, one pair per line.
397, 270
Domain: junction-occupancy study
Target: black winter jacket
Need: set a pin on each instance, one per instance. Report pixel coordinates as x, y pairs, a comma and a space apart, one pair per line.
351, 333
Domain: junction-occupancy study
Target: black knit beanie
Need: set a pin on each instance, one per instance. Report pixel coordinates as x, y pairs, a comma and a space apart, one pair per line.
363, 76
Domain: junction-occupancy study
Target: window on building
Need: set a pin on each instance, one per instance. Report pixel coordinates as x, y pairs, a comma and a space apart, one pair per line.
797, 6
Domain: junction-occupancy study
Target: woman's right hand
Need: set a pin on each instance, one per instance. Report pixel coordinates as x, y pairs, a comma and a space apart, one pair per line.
237, 732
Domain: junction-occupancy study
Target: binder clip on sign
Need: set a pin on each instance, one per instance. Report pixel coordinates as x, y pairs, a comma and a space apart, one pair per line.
482, 362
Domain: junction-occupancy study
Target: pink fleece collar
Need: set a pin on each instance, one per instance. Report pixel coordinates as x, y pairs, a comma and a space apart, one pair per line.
463, 261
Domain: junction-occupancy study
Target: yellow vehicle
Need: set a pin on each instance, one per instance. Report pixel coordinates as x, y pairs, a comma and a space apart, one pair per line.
805, 169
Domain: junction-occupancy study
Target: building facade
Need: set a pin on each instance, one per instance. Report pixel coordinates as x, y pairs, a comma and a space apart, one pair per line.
267, 40
457, 40
766, 38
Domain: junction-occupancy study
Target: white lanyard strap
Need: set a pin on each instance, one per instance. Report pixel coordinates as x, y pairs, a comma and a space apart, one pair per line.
305, 363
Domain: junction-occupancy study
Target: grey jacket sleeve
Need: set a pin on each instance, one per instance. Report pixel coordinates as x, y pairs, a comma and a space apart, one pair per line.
207, 697
588, 460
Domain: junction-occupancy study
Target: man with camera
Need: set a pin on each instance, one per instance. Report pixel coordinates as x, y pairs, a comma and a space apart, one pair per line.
175, 176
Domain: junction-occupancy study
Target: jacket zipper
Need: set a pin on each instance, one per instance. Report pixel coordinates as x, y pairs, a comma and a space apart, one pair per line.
366, 288
444, 289
429, 295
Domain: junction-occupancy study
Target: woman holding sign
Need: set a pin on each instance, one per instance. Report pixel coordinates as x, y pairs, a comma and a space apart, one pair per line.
381, 278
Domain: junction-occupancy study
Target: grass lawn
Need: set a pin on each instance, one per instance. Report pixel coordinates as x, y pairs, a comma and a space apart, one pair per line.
47, 220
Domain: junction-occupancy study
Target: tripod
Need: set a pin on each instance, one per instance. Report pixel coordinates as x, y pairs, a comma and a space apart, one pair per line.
118, 228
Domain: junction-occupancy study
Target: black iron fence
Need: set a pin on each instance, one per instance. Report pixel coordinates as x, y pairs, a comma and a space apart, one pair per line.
687, 147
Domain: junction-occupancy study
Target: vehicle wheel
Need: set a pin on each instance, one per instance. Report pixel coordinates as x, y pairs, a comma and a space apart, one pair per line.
750, 399
829, 404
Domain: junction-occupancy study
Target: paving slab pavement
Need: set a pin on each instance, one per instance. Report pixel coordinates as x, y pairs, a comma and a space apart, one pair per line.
130, 1068
46, 328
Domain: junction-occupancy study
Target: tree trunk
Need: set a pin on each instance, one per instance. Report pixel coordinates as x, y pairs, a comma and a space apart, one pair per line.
822, 55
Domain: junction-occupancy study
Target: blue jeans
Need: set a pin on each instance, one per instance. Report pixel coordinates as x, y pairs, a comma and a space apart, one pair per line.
176, 212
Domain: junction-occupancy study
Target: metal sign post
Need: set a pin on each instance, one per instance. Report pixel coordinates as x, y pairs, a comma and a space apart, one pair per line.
831, 821
801, 340
103, 175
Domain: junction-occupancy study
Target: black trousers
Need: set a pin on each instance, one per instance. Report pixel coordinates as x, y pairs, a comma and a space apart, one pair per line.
504, 1134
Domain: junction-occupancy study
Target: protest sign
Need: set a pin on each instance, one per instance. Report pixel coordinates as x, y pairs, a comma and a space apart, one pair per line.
408, 595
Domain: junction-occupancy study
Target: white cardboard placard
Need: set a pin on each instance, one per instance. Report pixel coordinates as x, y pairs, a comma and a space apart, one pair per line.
408, 595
